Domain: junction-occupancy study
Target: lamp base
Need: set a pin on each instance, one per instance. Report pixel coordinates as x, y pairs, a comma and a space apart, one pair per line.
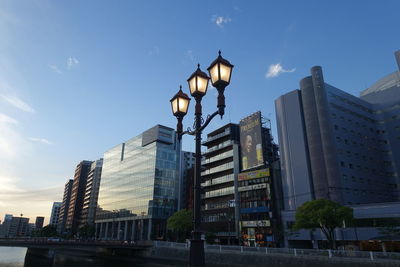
196, 254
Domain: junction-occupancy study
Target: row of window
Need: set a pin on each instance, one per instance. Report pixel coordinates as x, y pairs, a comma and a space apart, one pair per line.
385, 163
367, 169
216, 205
261, 194
344, 129
222, 216
221, 145
220, 192
219, 156
254, 181
218, 168
254, 204
219, 180
351, 103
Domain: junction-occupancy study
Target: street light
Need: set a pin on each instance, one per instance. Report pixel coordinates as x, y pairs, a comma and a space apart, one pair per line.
220, 71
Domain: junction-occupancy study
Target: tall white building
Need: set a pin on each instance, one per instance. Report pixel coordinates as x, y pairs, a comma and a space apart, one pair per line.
55, 213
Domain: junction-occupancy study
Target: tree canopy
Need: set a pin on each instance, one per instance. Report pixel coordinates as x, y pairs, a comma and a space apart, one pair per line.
323, 214
47, 231
180, 223
87, 231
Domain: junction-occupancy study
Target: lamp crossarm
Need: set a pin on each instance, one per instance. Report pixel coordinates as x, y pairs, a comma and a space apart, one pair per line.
189, 131
208, 120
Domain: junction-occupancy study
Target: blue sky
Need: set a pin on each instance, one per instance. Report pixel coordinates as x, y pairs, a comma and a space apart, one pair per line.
78, 77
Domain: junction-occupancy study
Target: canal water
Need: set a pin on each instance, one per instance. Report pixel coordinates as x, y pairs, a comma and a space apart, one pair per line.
18, 257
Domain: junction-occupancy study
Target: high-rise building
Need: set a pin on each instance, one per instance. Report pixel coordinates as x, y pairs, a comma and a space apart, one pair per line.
39, 222
259, 184
91, 194
337, 146
344, 148
220, 168
77, 196
240, 183
55, 213
187, 161
62, 219
139, 187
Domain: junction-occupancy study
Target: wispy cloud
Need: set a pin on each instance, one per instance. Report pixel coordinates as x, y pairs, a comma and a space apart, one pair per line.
6, 119
15, 198
55, 69
154, 51
18, 103
189, 55
275, 70
220, 21
11, 142
72, 62
40, 140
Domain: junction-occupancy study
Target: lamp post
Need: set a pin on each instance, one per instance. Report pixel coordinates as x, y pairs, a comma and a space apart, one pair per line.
220, 71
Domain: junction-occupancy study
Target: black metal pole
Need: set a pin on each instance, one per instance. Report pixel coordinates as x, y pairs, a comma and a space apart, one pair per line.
196, 257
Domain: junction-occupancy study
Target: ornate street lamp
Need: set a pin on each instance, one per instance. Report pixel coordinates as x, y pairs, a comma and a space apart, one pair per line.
180, 104
220, 71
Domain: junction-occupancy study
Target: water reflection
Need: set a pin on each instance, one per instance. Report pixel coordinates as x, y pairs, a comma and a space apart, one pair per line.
51, 258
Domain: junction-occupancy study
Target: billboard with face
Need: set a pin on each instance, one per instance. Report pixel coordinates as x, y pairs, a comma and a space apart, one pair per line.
251, 141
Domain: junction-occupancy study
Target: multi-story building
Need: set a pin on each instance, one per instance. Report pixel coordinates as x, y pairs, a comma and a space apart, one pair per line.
239, 180
55, 213
259, 184
220, 165
187, 161
91, 194
139, 187
77, 196
15, 226
62, 219
340, 147
39, 222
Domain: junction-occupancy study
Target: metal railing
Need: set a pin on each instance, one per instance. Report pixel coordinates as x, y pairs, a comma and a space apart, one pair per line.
328, 253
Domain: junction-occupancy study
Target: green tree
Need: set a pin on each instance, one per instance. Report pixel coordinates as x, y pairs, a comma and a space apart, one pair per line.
47, 231
180, 223
323, 214
210, 237
87, 231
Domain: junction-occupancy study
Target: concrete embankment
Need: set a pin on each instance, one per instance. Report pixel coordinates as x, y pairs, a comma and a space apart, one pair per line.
230, 259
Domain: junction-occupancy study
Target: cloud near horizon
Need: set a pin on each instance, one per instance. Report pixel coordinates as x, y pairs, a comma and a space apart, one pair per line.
14, 198
274, 70
18, 103
7, 119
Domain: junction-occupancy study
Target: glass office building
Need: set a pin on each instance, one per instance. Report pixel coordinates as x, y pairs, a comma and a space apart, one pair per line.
139, 187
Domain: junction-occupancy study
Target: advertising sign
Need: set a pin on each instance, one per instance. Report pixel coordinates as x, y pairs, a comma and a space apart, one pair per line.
254, 174
251, 141
253, 187
264, 223
254, 210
